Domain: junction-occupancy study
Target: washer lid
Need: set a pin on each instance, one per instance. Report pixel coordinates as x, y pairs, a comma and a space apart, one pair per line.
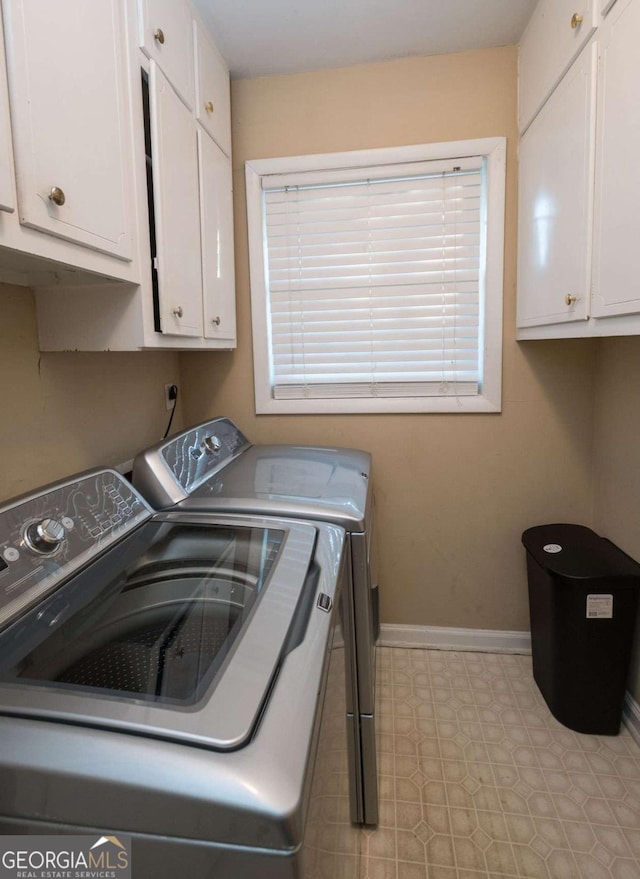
177, 632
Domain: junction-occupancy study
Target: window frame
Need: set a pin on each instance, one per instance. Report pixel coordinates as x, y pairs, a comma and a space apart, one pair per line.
489, 398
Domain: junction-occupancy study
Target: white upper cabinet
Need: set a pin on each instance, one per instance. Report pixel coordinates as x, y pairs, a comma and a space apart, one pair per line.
605, 6
70, 120
555, 202
617, 189
213, 104
216, 212
6, 167
579, 184
166, 37
174, 151
115, 186
556, 33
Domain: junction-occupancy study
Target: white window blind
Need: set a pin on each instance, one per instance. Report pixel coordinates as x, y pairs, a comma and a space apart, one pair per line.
374, 280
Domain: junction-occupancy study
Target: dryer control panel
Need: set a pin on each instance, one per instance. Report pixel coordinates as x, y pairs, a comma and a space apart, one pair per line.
193, 456
169, 472
48, 535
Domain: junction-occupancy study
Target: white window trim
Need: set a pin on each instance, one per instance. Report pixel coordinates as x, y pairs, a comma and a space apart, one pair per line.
490, 397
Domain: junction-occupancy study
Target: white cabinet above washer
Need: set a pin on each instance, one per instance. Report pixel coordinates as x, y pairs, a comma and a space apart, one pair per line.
182, 191
556, 33
165, 36
70, 121
174, 151
213, 101
216, 217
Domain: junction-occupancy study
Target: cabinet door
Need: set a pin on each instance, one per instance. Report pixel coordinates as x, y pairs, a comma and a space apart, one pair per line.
70, 120
556, 33
617, 190
216, 208
605, 6
6, 167
165, 36
213, 104
174, 151
555, 202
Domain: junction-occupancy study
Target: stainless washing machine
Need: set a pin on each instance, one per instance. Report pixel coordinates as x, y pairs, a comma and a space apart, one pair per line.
180, 679
213, 467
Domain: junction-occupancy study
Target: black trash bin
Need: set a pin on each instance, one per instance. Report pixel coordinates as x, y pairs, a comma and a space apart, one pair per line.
583, 596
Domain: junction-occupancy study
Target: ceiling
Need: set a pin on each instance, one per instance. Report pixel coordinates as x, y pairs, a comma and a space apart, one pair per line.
266, 37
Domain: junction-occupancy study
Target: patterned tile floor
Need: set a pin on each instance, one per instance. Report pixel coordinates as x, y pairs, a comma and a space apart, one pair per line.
479, 781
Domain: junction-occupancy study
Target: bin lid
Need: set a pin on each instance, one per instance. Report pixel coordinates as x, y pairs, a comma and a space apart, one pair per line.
577, 552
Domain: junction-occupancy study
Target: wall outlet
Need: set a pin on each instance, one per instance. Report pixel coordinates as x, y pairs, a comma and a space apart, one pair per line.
170, 396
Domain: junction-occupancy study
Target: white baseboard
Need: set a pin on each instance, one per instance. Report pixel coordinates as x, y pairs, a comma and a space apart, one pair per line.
443, 638
631, 716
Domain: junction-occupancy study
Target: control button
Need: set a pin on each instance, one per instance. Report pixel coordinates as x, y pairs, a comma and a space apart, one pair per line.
11, 554
45, 537
67, 523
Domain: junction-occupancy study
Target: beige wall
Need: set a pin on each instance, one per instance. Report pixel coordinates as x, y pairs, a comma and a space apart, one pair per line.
454, 491
62, 413
617, 458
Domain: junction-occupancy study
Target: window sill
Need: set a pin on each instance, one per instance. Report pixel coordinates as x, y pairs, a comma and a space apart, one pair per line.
391, 405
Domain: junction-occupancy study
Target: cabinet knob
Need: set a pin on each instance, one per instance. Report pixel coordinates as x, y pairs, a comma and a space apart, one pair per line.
569, 299
576, 20
178, 312
209, 106
216, 320
159, 36
57, 195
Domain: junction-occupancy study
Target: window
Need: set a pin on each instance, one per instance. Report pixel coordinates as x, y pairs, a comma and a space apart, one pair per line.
376, 279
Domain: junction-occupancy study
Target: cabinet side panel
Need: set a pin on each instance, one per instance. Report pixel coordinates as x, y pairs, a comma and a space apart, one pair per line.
617, 215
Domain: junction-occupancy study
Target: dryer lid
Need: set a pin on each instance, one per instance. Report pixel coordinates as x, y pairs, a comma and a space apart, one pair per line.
213, 467
304, 482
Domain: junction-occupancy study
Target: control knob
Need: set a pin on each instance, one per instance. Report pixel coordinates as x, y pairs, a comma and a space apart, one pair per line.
212, 444
45, 536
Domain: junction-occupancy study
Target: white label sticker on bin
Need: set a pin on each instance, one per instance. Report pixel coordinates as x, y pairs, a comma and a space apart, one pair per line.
552, 547
599, 607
